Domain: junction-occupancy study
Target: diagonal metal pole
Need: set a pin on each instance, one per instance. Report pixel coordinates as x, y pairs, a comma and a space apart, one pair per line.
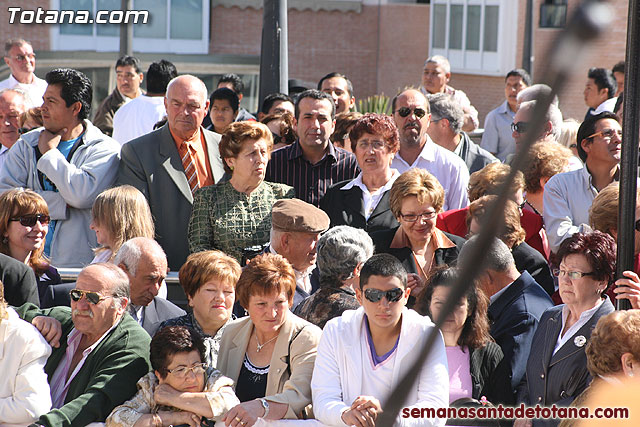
589, 20
629, 161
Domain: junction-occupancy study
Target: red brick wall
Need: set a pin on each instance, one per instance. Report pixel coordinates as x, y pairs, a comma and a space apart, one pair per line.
37, 34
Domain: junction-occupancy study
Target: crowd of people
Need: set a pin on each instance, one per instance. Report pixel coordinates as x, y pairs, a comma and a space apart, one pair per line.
315, 245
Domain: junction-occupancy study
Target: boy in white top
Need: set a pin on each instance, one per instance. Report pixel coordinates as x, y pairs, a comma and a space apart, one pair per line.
364, 354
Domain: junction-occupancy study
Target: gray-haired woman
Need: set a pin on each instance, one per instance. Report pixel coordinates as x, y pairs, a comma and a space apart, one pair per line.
341, 253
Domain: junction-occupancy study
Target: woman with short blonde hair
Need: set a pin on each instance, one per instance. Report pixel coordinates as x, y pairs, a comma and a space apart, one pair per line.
415, 199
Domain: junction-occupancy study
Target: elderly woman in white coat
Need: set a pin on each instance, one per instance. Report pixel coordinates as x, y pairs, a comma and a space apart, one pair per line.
24, 391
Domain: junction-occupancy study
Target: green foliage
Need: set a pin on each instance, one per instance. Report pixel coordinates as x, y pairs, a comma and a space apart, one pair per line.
375, 104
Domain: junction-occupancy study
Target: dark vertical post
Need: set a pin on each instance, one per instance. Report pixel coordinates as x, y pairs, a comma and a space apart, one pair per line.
629, 162
274, 57
527, 45
126, 31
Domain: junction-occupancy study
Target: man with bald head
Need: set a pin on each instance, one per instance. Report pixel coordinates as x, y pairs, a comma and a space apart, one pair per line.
169, 164
412, 116
12, 104
99, 351
145, 263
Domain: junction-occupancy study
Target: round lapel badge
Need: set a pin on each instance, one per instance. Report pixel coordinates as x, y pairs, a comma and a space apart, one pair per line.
579, 341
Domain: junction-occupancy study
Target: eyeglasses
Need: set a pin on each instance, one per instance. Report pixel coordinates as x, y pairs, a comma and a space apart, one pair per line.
375, 295
30, 220
23, 58
405, 111
637, 225
92, 297
415, 217
183, 371
375, 145
520, 127
607, 133
575, 275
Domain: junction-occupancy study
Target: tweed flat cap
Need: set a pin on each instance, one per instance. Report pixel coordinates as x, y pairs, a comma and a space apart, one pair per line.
298, 216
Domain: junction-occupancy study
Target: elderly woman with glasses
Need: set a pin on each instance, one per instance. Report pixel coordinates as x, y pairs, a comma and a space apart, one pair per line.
24, 223
364, 201
416, 198
181, 389
557, 366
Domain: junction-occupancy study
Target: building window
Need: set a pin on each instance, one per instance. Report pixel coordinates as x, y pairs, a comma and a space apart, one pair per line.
553, 13
173, 26
477, 36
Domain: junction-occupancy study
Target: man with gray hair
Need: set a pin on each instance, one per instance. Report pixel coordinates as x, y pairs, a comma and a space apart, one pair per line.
162, 164
534, 92
342, 251
517, 302
435, 76
99, 352
145, 263
12, 104
19, 57
445, 129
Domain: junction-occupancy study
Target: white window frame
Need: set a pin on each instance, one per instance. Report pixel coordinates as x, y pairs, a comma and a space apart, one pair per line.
61, 42
480, 62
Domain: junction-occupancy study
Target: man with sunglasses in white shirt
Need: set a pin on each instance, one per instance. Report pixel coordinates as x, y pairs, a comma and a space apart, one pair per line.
99, 351
568, 196
19, 57
363, 354
412, 116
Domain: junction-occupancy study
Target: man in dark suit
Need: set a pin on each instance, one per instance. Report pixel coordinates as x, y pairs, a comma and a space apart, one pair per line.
445, 129
517, 303
145, 263
160, 164
19, 282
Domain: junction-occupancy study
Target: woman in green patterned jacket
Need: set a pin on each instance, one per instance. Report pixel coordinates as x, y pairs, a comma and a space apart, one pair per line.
236, 214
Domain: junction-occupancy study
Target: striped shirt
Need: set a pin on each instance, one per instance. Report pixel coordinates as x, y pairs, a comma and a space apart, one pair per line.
288, 166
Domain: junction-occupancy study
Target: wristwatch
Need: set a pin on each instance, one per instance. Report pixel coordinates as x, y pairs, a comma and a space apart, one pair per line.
265, 405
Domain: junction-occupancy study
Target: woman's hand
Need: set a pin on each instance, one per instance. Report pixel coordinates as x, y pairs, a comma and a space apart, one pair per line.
170, 418
244, 415
164, 394
416, 284
629, 288
363, 412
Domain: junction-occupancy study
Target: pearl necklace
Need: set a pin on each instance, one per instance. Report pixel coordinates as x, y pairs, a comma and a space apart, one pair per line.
259, 346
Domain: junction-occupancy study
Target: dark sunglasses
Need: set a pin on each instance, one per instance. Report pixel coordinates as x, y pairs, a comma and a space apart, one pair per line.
520, 127
93, 297
637, 225
30, 220
375, 295
405, 111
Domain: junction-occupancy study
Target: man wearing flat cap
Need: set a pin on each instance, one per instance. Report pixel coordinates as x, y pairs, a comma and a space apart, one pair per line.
295, 230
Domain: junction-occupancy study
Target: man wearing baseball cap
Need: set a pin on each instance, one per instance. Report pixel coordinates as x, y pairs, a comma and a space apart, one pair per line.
295, 229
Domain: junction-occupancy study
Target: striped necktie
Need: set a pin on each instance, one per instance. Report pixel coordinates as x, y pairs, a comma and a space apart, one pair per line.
190, 170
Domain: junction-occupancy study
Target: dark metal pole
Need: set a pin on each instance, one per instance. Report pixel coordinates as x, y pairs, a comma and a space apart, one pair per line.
590, 19
629, 162
274, 58
527, 47
126, 31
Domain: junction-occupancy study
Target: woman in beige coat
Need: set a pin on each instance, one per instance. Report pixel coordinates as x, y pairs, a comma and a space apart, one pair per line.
269, 354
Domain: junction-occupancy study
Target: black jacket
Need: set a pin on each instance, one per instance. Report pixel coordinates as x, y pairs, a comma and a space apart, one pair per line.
346, 207
19, 282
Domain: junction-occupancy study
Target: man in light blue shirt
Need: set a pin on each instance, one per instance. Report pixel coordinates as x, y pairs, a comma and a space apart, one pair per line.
497, 137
